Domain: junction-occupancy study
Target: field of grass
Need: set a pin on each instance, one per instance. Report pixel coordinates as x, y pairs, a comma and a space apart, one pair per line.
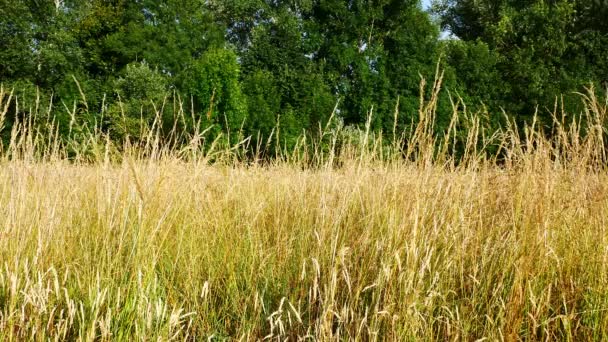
362, 245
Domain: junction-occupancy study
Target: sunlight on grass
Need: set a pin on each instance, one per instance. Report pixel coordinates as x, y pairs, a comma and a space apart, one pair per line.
357, 241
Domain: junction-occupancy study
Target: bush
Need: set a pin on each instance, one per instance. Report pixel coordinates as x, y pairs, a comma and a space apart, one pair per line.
138, 91
213, 83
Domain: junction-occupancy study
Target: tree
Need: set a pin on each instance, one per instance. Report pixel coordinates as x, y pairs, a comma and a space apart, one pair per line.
293, 92
213, 82
37, 43
374, 52
546, 49
16, 36
366, 53
143, 90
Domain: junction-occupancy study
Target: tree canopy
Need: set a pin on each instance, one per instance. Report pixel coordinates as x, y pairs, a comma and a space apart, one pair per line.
541, 50
255, 65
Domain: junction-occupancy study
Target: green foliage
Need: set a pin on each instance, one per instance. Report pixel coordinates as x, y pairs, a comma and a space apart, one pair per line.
213, 82
140, 82
472, 69
16, 32
539, 51
297, 59
374, 52
277, 68
140, 91
264, 105
293, 92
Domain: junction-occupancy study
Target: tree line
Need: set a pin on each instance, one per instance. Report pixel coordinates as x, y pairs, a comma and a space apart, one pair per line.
253, 65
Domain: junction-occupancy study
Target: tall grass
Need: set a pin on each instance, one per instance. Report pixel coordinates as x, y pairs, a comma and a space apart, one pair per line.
355, 235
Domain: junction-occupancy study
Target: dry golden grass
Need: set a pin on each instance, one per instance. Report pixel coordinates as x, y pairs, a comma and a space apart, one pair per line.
170, 249
168, 246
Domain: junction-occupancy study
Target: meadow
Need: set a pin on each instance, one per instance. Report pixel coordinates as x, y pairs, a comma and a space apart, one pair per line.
366, 238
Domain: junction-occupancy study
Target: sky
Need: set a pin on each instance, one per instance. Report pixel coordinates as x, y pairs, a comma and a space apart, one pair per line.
426, 3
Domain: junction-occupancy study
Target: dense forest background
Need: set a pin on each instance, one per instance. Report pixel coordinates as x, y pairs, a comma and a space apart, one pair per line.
250, 66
